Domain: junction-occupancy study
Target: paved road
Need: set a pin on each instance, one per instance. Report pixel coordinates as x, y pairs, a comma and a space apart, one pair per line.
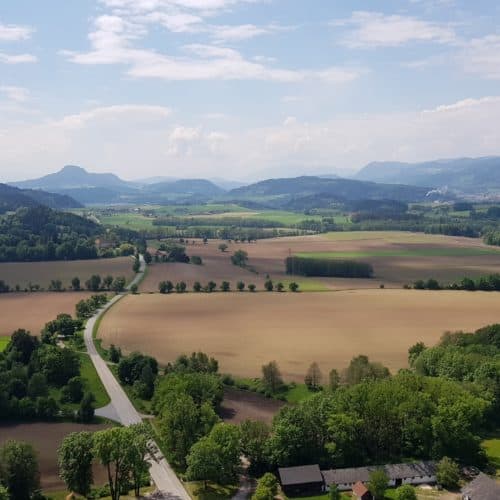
122, 410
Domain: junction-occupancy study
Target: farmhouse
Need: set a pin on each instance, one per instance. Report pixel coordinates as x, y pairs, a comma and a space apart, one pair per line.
481, 488
360, 491
301, 480
398, 474
309, 478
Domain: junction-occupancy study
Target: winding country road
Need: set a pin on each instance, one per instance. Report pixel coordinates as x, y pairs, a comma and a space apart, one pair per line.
122, 410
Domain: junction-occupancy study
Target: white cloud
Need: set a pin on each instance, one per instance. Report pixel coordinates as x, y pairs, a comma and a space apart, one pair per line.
17, 58
481, 56
375, 29
235, 33
112, 44
125, 138
13, 33
17, 94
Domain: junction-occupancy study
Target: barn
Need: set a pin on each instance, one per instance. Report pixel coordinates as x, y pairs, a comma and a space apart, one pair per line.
306, 479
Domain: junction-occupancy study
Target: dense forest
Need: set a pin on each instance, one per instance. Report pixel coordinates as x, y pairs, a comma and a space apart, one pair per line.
42, 234
39, 233
304, 266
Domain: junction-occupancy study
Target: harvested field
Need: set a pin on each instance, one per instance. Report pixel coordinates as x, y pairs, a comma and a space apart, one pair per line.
239, 406
244, 331
217, 266
397, 258
40, 273
46, 439
32, 310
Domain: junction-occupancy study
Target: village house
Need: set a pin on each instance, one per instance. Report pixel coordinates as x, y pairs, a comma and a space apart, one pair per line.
481, 488
301, 480
310, 479
398, 474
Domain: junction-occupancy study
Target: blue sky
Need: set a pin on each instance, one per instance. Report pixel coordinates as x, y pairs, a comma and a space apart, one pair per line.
245, 89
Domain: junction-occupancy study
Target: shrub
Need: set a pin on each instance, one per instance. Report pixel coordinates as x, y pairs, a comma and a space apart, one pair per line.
197, 260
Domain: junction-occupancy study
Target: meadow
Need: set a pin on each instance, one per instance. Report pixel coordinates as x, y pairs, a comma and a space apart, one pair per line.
41, 273
244, 331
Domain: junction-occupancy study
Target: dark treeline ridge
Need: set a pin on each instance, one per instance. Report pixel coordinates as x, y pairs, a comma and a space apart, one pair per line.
326, 224
490, 283
305, 266
42, 234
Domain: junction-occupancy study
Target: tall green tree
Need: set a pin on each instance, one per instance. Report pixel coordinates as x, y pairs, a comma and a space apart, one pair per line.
378, 484
112, 449
271, 377
448, 473
20, 470
141, 449
203, 461
75, 462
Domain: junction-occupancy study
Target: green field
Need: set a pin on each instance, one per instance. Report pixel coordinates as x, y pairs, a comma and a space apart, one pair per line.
4, 342
92, 381
306, 285
404, 252
492, 448
130, 221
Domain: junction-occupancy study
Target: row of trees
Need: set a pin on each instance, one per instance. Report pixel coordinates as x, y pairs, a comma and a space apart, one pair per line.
490, 283
88, 307
166, 287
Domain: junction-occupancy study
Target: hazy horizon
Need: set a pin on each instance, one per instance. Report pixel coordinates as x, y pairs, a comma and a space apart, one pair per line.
245, 89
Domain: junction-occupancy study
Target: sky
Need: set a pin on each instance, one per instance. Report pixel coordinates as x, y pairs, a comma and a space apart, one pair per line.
245, 89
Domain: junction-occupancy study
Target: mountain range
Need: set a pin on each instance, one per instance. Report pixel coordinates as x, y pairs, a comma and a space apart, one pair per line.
300, 192
379, 180
464, 175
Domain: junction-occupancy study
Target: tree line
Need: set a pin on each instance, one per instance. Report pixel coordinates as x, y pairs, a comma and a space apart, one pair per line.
306, 266
167, 287
489, 283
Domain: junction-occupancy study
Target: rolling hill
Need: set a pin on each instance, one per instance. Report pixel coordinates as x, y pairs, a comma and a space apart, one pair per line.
300, 192
465, 175
12, 198
71, 177
91, 188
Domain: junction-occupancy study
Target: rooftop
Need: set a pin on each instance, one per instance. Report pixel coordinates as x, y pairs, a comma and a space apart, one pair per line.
482, 488
304, 474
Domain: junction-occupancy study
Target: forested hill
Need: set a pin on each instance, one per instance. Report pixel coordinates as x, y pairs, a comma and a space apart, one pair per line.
12, 198
40, 233
295, 191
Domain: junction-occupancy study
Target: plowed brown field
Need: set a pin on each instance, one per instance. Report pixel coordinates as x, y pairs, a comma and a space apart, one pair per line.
40, 273
32, 310
244, 331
